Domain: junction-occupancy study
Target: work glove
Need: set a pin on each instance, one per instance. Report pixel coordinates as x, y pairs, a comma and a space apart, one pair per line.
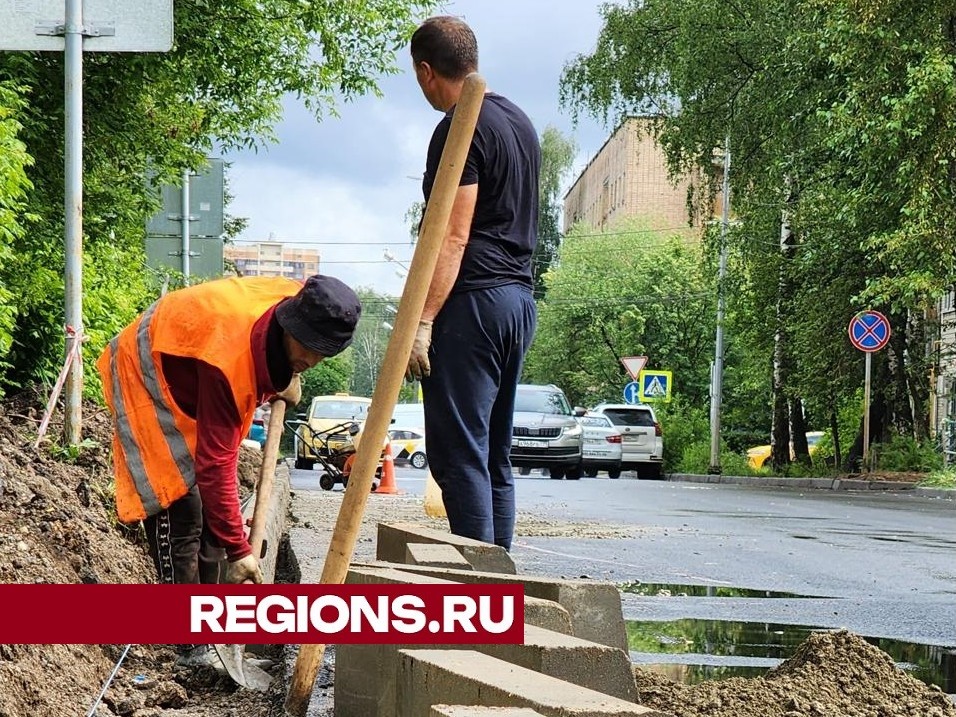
418, 365
292, 393
243, 570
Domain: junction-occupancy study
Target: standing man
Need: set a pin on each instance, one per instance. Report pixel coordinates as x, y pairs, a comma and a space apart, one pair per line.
183, 382
479, 315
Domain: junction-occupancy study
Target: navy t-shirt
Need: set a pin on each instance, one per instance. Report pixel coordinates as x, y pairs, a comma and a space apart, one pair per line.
505, 161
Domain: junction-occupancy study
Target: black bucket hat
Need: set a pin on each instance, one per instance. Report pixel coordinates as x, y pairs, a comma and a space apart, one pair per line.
322, 316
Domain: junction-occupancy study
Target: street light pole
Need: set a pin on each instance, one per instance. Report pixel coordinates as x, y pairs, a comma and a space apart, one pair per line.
717, 376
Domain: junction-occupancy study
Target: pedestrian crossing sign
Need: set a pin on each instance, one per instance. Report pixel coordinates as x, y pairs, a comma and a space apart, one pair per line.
656, 386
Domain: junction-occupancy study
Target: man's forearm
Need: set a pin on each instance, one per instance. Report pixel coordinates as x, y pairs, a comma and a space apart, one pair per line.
452, 250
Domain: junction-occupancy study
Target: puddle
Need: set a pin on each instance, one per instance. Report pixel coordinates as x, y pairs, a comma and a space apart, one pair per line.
722, 591
699, 650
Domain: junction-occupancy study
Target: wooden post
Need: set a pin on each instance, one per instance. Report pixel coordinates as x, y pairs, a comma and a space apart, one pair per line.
431, 236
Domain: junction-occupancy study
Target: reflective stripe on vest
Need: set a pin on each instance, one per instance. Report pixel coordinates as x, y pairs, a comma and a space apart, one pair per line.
154, 441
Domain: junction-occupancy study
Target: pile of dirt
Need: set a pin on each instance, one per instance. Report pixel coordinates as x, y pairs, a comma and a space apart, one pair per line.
58, 525
832, 674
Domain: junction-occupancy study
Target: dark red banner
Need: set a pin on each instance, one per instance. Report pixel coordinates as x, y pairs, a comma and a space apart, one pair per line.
262, 614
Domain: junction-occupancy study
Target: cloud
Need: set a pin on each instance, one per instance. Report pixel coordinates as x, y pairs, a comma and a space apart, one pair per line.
349, 224
352, 178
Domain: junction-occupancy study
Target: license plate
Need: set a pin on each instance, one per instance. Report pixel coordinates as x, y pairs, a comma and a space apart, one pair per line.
593, 440
531, 444
633, 439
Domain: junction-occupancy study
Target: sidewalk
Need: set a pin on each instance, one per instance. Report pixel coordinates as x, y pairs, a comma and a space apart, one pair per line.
858, 484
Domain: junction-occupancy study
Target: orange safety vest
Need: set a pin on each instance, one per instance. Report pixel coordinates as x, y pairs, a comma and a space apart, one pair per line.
154, 442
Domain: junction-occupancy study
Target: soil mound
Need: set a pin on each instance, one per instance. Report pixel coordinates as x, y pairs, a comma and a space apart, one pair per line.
832, 674
58, 525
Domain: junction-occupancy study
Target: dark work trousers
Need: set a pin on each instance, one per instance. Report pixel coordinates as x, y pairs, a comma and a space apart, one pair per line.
181, 547
479, 340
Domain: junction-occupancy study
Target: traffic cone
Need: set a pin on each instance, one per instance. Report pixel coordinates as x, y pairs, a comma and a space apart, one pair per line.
388, 473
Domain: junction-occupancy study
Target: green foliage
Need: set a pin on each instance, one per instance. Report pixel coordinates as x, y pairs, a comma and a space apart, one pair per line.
629, 291
70, 454
371, 340
695, 459
842, 114
557, 156
903, 453
945, 478
682, 425
329, 377
219, 88
14, 186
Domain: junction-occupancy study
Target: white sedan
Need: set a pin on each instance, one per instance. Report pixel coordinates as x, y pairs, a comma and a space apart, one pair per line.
602, 446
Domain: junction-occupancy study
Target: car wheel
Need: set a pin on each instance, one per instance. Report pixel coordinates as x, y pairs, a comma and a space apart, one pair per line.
557, 473
614, 473
418, 460
574, 472
326, 482
524, 471
649, 471
591, 472
304, 464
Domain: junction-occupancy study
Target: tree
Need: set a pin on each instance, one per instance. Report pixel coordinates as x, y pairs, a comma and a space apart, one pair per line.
624, 292
557, 155
852, 105
221, 86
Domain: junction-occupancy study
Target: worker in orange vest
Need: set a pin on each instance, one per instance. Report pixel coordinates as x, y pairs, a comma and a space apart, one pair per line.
183, 382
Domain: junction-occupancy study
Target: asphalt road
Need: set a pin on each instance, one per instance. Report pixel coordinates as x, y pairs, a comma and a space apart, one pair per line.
880, 564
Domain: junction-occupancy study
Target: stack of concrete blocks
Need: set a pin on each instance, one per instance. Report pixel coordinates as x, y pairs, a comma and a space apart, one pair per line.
574, 660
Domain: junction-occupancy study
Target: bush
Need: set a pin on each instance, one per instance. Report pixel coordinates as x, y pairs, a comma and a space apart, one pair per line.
904, 453
681, 425
695, 459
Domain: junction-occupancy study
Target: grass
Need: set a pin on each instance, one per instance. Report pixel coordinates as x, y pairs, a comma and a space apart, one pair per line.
945, 478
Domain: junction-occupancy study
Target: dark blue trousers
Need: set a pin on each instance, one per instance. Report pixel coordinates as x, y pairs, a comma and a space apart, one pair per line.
479, 340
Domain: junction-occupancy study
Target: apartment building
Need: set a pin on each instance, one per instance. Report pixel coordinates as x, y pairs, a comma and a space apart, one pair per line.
628, 178
273, 258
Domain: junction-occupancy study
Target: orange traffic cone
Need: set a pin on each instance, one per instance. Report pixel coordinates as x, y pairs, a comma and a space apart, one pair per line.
388, 473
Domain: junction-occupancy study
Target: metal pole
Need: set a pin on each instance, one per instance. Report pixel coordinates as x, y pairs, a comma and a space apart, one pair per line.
866, 412
717, 376
73, 219
185, 217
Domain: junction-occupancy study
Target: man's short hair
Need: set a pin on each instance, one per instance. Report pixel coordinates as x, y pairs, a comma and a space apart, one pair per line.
448, 45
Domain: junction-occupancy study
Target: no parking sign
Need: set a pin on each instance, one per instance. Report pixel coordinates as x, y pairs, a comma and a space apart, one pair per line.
869, 332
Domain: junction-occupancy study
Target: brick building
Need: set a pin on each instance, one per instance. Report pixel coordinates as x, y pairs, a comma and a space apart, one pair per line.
628, 178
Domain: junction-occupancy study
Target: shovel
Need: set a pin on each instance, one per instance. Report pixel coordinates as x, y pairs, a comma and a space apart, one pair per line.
242, 671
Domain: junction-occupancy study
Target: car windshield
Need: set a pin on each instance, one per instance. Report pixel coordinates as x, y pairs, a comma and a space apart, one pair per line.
343, 409
629, 416
542, 402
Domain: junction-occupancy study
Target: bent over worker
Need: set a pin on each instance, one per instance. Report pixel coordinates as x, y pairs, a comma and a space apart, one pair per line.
183, 382
479, 314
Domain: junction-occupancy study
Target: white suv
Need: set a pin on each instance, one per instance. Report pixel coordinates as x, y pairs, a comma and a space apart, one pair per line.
642, 445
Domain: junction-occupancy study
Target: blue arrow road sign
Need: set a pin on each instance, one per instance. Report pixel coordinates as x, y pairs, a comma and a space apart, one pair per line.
632, 392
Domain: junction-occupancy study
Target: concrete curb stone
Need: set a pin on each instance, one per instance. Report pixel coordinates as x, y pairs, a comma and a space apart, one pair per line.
815, 484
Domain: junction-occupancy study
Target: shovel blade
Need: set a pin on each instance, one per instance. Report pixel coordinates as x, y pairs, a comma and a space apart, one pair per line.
242, 673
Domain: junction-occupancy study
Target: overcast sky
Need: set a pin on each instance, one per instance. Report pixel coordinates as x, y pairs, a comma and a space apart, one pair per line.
344, 185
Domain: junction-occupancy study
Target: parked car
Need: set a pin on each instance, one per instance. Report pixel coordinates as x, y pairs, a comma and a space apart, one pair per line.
546, 433
759, 455
642, 442
408, 446
331, 413
602, 446
257, 431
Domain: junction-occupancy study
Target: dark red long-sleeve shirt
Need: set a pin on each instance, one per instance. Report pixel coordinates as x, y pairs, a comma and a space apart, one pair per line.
202, 392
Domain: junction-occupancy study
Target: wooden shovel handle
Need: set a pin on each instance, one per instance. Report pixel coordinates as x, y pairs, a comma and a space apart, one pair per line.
431, 236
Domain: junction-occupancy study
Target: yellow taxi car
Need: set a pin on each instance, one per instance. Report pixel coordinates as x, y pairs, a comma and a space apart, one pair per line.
758, 455
327, 428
